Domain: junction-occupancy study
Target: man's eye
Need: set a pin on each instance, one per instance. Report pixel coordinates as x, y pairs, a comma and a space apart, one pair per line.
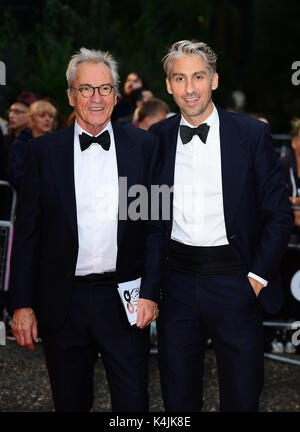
85, 88
199, 77
179, 79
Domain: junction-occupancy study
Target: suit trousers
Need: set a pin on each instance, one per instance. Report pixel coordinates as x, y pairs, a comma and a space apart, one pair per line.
97, 323
225, 309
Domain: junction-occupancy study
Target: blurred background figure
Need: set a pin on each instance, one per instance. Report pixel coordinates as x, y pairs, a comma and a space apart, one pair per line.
59, 121
16, 122
133, 81
17, 113
290, 264
291, 168
39, 121
150, 112
136, 98
259, 116
237, 101
125, 106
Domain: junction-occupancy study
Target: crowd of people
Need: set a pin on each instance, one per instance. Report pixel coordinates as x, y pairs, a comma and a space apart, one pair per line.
247, 229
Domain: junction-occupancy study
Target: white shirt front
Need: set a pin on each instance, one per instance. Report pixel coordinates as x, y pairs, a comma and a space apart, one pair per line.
198, 212
198, 215
97, 194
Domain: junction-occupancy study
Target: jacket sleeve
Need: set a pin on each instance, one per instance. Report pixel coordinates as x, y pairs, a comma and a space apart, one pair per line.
154, 244
277, 217
25, 248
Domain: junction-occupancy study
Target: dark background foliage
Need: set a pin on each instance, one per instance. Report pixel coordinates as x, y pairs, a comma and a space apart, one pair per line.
256, 42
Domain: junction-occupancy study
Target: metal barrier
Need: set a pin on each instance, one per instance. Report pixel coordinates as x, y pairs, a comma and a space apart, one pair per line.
6, 236
275, 356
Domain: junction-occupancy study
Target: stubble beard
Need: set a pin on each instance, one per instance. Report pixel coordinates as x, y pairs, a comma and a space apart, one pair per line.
197, 111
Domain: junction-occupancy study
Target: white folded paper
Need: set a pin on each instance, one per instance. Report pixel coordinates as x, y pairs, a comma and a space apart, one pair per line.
129, 293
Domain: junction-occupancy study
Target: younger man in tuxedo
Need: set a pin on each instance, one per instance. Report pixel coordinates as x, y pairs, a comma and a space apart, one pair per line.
230, 224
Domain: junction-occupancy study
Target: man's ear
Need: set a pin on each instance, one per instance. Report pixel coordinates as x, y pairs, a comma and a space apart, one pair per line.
215, 81
169, 90
71, 97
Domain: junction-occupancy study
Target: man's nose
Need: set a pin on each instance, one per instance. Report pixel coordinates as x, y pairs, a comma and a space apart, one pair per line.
189, 86
97, 96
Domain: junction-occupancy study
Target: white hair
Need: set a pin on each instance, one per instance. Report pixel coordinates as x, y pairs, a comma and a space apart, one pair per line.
190, 48
85, 55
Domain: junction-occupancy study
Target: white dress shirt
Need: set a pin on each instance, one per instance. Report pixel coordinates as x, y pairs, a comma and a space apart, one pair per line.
97, 194
198, 212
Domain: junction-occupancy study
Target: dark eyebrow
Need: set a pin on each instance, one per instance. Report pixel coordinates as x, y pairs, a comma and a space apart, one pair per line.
201, 72
177, 74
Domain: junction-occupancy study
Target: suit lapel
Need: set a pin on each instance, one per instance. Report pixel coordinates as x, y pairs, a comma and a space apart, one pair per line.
127, 168
168, 139
234, 165
63, 167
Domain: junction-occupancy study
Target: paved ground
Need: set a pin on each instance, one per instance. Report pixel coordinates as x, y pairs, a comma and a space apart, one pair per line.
24, 384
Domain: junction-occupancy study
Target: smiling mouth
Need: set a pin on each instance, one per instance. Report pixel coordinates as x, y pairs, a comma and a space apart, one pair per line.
191, 100
96, 109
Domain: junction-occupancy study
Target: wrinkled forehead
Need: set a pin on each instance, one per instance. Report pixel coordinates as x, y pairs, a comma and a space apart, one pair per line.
94, 74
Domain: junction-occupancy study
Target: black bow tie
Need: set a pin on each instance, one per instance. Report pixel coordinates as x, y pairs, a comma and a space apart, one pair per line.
187, 133
102, 139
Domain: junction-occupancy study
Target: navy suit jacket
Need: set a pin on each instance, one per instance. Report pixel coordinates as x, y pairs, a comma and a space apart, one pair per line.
257, 212
45, 246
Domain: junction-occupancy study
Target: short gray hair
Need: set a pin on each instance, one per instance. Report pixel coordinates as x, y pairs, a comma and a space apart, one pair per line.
85, 55
190, 48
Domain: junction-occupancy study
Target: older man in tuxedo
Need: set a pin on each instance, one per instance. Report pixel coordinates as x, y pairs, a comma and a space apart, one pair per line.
70, 250
230, 224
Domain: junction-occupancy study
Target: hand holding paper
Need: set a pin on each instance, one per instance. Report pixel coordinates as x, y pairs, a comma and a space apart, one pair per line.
139, 311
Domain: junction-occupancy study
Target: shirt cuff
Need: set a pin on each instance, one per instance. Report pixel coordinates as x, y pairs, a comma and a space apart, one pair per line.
259, 279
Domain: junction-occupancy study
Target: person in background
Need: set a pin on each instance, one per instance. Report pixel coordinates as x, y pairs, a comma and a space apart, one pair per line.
136, 98
150, 112
290, 311
291, 168
259, 116
17, 120
125, 106
143, 96
40, 118
59, 120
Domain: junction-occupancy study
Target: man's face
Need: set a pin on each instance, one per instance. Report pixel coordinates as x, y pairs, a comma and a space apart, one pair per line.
93, 113
132, 82
17, 116
191, 85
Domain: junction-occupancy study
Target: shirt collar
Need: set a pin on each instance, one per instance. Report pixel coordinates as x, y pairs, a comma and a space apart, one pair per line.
78, 130
211, 119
